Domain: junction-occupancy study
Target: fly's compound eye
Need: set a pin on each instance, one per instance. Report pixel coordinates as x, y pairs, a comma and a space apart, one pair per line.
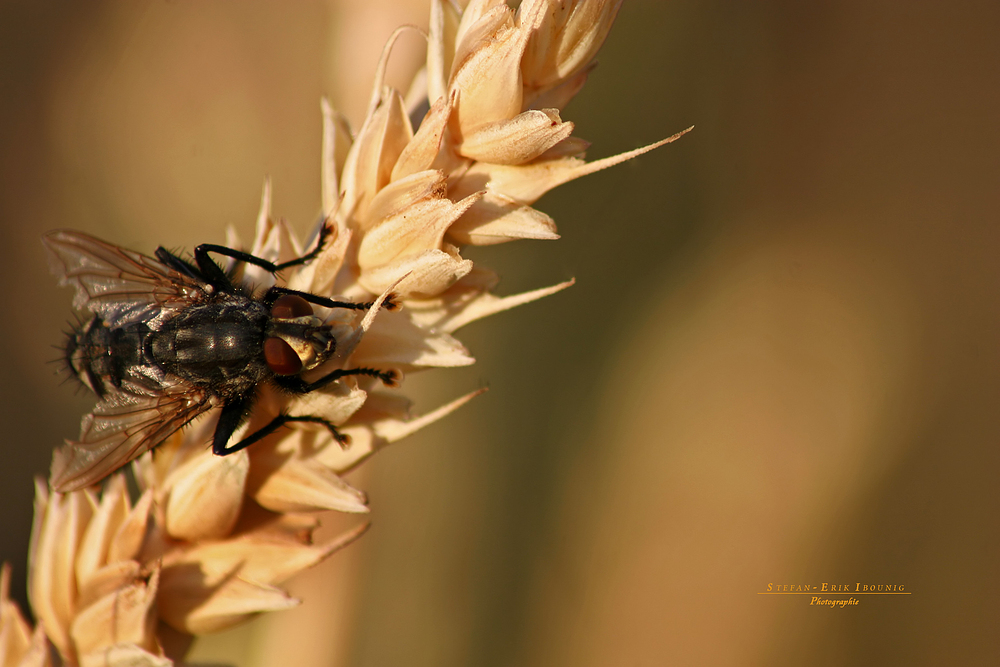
280, 356
290, 306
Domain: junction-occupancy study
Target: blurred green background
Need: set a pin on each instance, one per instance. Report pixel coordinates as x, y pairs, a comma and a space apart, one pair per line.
779, 363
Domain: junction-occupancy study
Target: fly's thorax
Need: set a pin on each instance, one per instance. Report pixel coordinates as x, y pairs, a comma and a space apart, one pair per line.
209, 335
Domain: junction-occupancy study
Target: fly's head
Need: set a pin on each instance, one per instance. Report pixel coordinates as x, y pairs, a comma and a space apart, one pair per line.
295, 339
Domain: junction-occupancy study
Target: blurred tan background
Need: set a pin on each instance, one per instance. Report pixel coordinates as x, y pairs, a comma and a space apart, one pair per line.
779, 363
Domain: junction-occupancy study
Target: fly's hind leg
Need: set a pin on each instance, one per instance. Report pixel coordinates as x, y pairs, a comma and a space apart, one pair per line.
232, 416
216, 276
235, 413
274, 425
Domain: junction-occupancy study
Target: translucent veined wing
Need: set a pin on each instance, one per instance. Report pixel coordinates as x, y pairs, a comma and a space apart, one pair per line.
119, 285
121, 428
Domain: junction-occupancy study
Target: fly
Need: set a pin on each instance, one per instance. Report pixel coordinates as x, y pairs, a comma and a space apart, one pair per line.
170, 339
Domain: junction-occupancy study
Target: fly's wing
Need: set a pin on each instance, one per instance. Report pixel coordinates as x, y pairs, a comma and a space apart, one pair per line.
120, 428
119, 285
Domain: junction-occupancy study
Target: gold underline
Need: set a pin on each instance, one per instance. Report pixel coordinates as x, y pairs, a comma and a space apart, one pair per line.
831, 593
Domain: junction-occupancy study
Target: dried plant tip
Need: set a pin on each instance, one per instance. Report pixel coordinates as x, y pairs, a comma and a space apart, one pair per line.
193, 604
516, 140
131, 535
123, 655
290, 484
18, 644
124, 615
565, 37
204, 496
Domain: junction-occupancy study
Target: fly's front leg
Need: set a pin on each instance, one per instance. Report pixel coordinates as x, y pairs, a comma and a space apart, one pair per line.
297, 385
276, 292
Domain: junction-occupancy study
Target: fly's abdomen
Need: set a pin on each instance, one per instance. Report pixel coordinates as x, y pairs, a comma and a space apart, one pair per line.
101, 357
